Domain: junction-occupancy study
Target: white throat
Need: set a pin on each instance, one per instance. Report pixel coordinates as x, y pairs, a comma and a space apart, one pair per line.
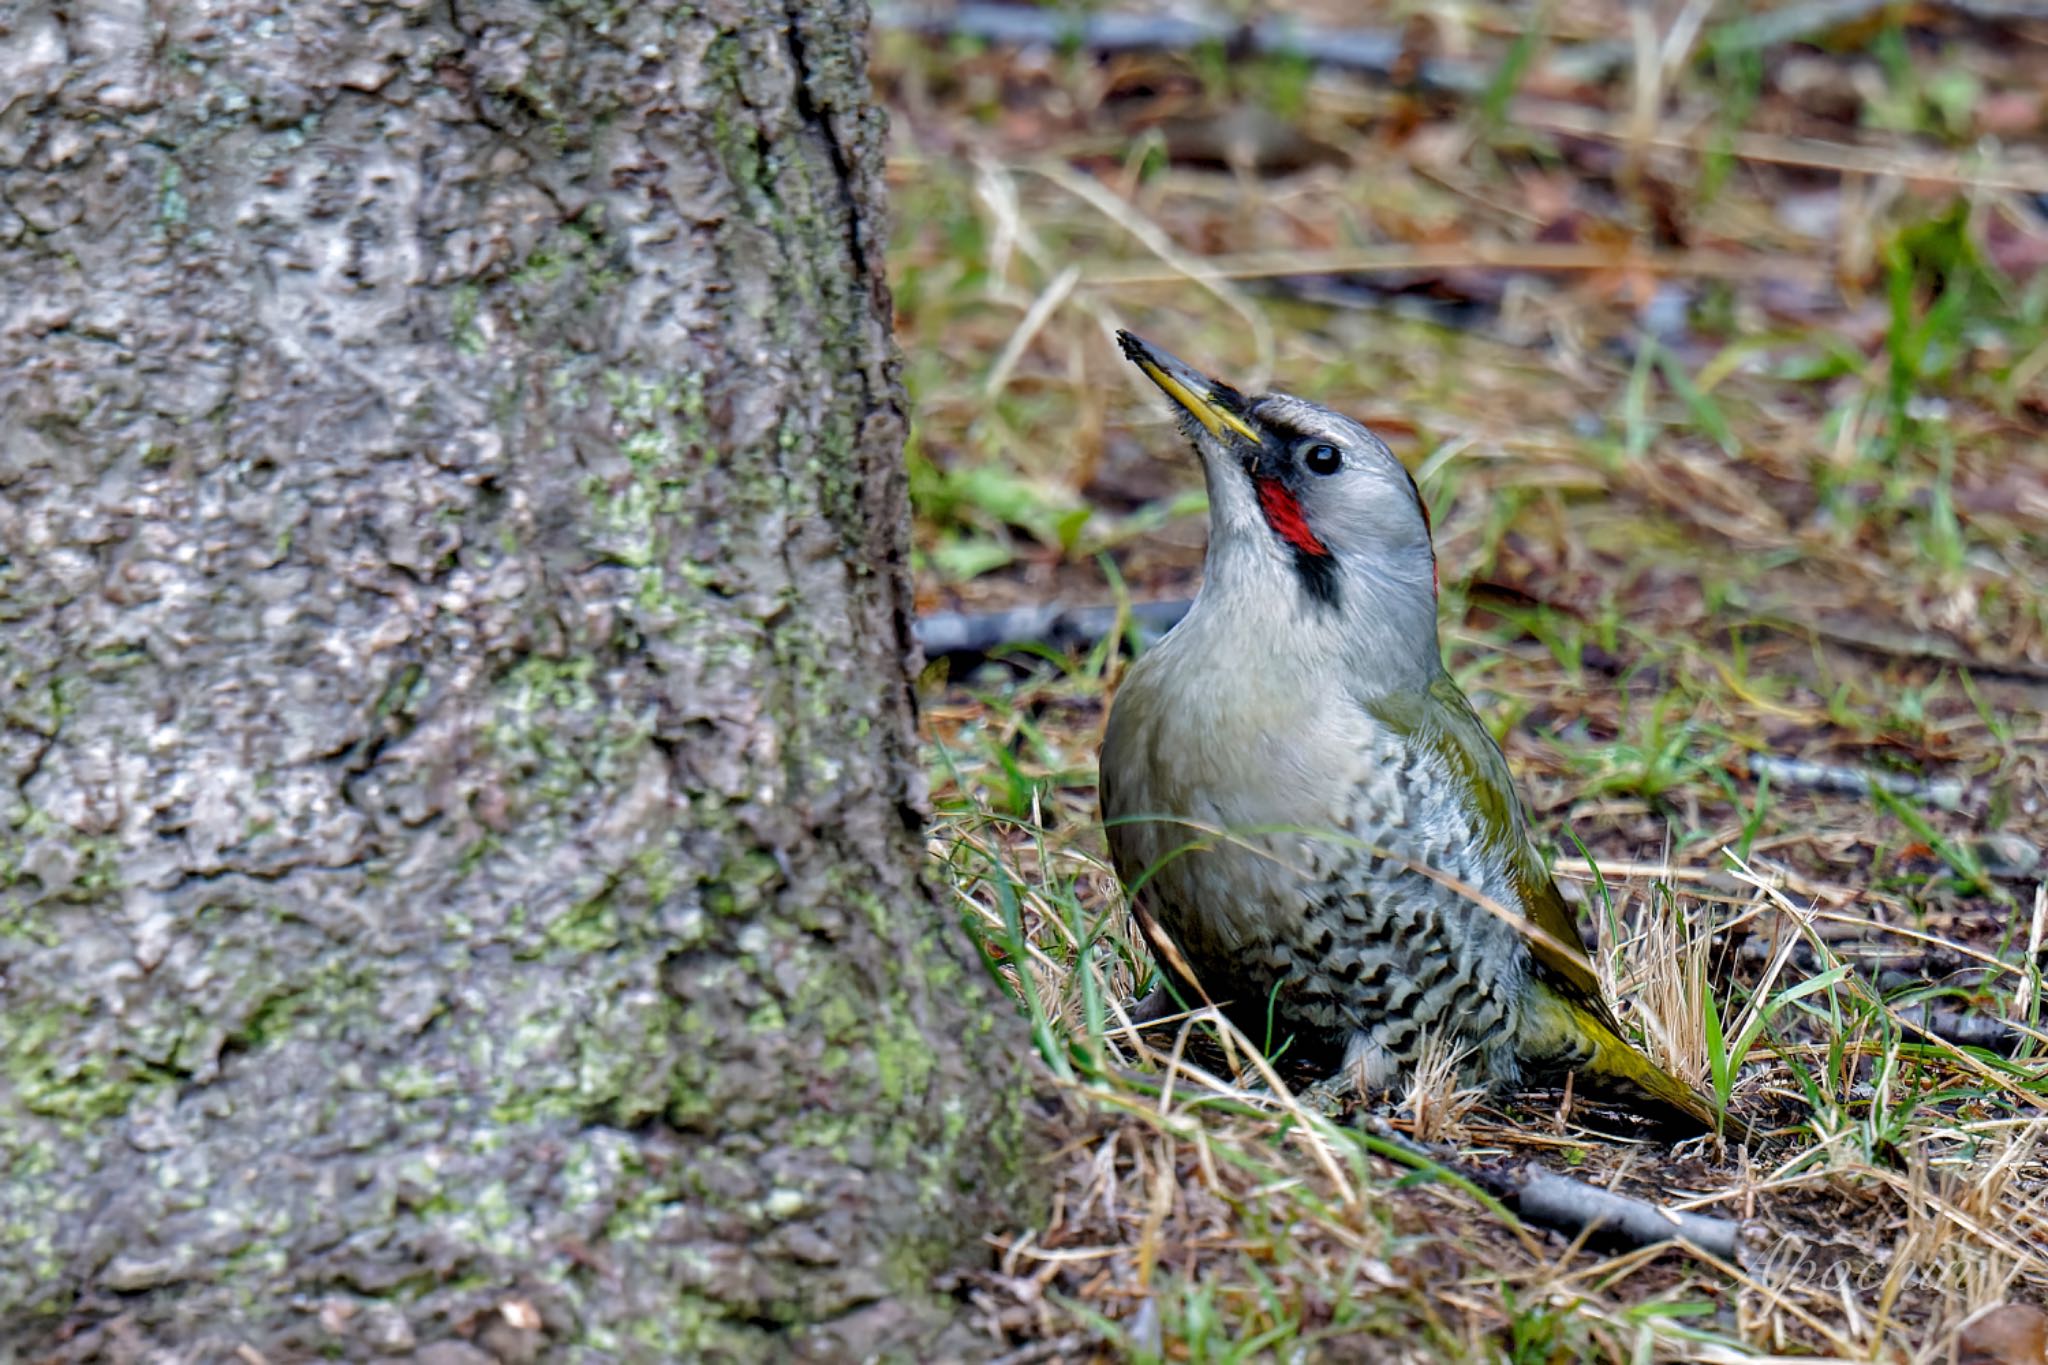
1255, 614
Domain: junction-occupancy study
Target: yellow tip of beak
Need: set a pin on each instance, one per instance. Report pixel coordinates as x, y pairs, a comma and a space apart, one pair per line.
1184, 388
1199, 404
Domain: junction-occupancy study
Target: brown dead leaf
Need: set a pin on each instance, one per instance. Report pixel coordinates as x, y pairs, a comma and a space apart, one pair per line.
2011, 113
2017, 245
2007, 1334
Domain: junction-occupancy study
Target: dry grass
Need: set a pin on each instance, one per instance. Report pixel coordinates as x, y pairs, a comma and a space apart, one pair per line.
1199, 1209
1737, 458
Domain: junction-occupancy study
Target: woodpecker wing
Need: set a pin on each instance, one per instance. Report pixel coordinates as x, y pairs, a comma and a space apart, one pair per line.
1580, 1012
1569, 969
1443, 719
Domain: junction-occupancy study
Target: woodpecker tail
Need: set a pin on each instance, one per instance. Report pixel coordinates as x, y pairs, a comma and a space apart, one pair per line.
1590, 1046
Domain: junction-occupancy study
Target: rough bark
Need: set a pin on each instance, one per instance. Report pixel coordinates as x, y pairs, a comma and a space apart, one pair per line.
457, 804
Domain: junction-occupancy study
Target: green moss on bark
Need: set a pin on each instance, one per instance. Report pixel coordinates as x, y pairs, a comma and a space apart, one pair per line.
500, 845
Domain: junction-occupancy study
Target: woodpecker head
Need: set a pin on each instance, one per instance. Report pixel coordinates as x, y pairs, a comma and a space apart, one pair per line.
1307, 506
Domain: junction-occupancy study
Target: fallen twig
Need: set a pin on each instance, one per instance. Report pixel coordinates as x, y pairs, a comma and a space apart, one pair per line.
1877, 639
1608, 1219
1529, 256
1604, 1218
979, 634
1963, 1028
1946, 792
1796, 22
1378, 53
1901, 161
1371, 52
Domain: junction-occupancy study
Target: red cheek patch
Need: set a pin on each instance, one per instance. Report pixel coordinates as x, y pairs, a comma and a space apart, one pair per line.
1283, 513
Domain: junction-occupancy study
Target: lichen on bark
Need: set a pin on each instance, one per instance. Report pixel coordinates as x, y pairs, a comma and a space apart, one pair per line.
458, 810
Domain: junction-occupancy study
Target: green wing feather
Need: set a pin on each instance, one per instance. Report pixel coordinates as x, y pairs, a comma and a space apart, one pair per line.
1579, 1016
1445, 720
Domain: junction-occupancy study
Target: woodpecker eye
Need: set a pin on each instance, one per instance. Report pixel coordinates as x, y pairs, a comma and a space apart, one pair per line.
1322, 458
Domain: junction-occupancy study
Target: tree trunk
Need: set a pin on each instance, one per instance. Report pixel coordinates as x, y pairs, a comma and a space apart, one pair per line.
458, 797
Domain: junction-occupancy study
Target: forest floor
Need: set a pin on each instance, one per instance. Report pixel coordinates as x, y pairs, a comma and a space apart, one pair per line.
1717, 340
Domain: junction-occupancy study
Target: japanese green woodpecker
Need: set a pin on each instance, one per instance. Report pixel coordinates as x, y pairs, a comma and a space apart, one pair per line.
1302, 802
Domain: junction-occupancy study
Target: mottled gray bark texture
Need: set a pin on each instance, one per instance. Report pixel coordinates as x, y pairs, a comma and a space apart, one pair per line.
458, 815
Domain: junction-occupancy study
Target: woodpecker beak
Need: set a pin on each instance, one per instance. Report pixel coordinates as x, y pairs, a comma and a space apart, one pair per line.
1216, 406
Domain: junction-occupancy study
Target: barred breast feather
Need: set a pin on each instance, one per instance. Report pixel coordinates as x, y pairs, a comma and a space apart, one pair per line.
1324, 925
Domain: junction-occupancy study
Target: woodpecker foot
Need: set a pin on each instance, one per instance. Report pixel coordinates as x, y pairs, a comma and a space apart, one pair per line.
1326, 1097
1330, 1095
1329, 1103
